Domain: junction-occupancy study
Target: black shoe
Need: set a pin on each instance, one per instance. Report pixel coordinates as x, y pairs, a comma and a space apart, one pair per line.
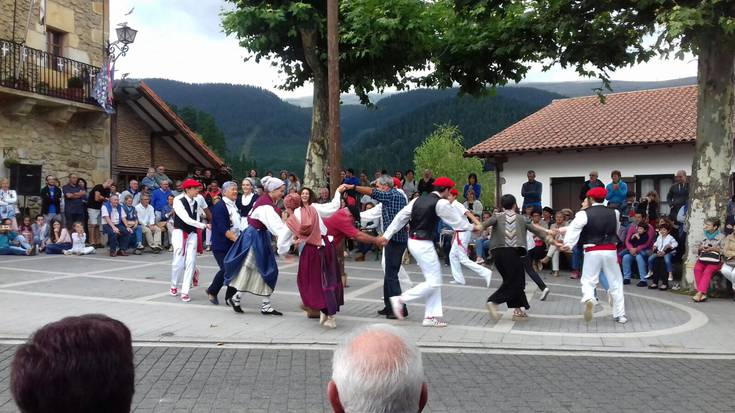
626, 281
271, 311
391, 317
231, 303
384, 311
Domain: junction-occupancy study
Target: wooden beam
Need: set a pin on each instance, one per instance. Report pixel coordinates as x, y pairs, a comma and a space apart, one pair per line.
165, 133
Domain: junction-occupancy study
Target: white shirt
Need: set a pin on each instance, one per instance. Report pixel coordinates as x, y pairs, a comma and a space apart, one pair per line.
183, 215
476, 206
574, 229
8, 197
323, 211
201, 206
662, 244
443, 209
462, 211
146, 215
77, 241
234, 214
275, 226
113, 214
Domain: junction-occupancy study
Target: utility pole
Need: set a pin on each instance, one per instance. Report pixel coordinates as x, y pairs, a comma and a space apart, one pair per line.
335, 139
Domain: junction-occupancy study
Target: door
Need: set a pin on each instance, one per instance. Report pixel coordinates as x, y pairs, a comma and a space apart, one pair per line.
565, 192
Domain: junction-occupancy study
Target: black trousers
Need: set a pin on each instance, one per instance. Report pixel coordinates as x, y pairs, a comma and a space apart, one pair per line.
219, 278
528, 266
509, 263
393, 256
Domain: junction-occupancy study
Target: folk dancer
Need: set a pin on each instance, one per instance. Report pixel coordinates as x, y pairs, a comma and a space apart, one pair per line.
508, 247
423, 215
225, 230
250, 265
184, 239
458, 254
596, 229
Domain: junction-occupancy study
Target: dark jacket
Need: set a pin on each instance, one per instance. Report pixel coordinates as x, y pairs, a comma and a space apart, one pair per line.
587, 185
678, 195
46, 199
531, 192
245, 209
220, 224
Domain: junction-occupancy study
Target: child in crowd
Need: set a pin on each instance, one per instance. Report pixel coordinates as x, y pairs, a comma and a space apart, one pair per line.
641, 235
553, 253
26, 229
8, 239
78, 238
482, 243
708, 258
664, 247
40, 232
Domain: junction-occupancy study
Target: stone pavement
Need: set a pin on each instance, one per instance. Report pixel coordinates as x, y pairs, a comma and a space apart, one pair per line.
37, 290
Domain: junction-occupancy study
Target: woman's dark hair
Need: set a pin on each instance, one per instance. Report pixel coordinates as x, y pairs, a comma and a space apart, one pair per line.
507, 201
643, 225
616, 172
6, 221
412, 172
312, 196
78, 364
549, 210
472, 176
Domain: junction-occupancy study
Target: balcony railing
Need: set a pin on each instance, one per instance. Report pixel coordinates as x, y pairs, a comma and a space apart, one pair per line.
32, 70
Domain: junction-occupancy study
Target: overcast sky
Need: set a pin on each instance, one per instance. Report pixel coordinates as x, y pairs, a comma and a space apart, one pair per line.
183, 40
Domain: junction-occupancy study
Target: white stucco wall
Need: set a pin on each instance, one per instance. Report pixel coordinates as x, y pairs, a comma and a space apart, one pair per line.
630, 161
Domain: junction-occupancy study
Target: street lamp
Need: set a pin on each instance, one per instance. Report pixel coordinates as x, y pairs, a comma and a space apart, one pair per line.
125, 37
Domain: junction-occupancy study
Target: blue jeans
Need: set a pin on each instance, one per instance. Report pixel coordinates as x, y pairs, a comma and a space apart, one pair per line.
667, 260
58, 248
137, 235
23, 242
11, 250
577, 257
481, 247
117, 241
641, 258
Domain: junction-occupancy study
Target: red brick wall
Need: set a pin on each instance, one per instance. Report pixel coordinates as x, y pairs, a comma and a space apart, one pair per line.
164, 154
134, 142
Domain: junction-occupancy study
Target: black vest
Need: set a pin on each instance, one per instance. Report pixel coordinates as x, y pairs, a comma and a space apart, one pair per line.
601, 228
179, 223
423, 217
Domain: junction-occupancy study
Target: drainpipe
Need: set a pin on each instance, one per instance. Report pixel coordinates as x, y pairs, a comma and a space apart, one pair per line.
499, 161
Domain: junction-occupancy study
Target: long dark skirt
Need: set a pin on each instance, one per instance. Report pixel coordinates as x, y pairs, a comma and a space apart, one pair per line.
319, 279
509, 263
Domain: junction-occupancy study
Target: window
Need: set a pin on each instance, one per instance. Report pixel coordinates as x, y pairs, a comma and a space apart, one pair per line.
658, 183
55, 47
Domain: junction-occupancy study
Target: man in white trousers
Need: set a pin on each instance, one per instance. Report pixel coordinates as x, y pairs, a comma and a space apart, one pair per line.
184, 238
458, 254
424, 214
596, 228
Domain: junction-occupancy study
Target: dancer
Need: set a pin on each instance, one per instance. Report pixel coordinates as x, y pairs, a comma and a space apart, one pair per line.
529, 267
458, 254
596, 229
318, 276
184, 239
508, 246
225, 230
424, 214
250, 265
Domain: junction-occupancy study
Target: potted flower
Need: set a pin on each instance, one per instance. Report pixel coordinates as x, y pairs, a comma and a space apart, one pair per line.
75, 87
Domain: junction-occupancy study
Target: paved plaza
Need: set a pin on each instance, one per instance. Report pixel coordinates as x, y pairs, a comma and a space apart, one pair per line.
673, 355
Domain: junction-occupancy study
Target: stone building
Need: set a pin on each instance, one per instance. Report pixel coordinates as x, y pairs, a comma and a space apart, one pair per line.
47, 72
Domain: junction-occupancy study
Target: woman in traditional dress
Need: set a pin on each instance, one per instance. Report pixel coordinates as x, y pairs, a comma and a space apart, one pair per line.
246, 200
318, 278
250, 265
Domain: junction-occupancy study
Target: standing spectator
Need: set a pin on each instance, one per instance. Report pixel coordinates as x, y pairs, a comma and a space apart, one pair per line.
637, 250
650, 205
131, 216
324, 196
678, 194
472, 203
78, 238
159, 196
8, 237
617, 191
409, 184
133, 190
207, 178
213, 192
350, 178
709, 257
116, 227
223, 175
150, 180
40, 232
253, 175
8, 202
293, 184
399, 175
51, 198
593, 182
197, 175
58, 238
100, 193
364, 181
246, 200
531, 191
426, 183
74, 196
473, 185
113, 190
161, 175
147, 221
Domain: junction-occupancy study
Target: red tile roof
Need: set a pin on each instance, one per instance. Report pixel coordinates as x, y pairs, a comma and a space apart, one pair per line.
175, 120
649, 117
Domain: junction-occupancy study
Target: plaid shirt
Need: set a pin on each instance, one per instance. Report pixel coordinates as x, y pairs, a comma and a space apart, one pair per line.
393, 201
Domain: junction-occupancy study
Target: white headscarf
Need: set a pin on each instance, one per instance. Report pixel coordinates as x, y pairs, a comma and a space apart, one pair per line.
270, 183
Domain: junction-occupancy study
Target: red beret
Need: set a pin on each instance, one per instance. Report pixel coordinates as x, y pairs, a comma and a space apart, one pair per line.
396, 183
454, 192
598, 193
190, 183
444, 182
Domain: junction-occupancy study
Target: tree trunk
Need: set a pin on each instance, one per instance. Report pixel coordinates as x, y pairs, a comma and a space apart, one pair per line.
709, 185
316, 152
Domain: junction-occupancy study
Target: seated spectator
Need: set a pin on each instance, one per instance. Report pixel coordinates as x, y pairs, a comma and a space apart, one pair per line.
472, 203
147, 224
482, 242
708, 258
664, 247
553, 252
728, 255
650, 205
131, 216
537, 250
134, 191
377, 370
58, 238
78, 364
547, 217
116, 227
638, 252
40, 232
8, 239
166, 220
26, 229
150, 180
159, 197
568, 215
78, 239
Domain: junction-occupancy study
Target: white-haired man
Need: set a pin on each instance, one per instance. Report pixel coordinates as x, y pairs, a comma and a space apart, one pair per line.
377, 370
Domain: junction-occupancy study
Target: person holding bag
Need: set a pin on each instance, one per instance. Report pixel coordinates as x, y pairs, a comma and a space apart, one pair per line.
708, 259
